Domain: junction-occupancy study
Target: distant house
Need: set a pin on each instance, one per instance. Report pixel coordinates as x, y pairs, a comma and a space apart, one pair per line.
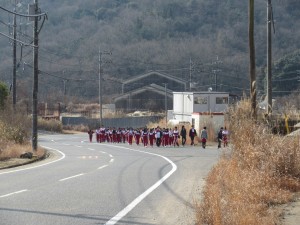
200, 108
150, 91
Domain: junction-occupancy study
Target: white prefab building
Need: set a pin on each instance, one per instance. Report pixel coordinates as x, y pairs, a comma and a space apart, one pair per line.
200, 108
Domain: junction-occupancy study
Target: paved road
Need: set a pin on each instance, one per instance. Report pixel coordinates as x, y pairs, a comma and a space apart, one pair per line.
92, 183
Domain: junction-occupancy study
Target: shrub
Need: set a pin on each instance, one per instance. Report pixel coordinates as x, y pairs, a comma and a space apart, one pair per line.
14, 125
50, 125
260, 171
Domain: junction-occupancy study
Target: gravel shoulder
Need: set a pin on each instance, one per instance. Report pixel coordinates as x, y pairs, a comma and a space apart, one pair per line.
291, 212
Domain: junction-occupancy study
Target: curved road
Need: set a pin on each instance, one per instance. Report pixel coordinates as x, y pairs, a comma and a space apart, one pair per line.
92, 183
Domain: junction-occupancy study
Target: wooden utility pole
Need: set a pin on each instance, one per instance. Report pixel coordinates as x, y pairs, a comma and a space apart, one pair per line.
14, 80
100, 88
166, 105
252, 59
35, 79
100, 82
269, 58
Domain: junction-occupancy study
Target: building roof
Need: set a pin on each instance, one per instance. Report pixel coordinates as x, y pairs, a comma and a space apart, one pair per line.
170, 77
152, 87
199, 92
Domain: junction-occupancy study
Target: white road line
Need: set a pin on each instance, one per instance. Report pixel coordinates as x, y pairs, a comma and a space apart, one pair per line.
136, 201
78, 175
112, 160
13, 193
110, 156
33, 167
66, 144
91, 149
103, 152
78, 146
101, 167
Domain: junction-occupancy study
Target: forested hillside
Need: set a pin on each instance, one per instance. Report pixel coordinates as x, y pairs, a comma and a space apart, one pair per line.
204, 39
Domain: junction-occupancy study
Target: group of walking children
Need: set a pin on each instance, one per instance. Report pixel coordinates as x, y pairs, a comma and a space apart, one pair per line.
144, 136
164, 137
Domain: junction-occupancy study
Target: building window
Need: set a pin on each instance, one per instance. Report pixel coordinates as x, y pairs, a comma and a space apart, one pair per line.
221, 100
200, 100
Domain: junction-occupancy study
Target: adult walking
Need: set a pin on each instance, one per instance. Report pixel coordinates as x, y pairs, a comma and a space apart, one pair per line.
204, 137
90, 133
183, 135
220, 137
192, 134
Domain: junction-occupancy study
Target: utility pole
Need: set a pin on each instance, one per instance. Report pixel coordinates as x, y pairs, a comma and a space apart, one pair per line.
35, 79
191, 70
215, 72
166, 105
65, 90
252, 65
216, 79
14, 80
269, 58
100, 89
100, 82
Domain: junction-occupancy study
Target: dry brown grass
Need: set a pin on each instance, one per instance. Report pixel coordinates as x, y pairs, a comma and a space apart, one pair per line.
50, 125
261, 171
15, 133
77, 128
11, 150
14, 125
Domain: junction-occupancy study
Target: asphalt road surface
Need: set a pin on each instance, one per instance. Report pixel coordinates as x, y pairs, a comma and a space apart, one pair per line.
91, 183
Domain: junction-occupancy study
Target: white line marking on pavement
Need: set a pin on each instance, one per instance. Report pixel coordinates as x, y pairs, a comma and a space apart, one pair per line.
66, 144
101, 167
78, 175
33, 167
13, 193
103, 152
91, 149
136, 201
78, 146
112, 160
110, 156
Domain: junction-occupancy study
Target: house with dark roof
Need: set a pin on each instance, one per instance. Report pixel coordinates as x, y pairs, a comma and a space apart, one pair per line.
151, 91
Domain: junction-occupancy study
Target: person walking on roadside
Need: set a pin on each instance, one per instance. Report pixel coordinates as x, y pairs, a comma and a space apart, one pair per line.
130, 134
158, 136
151, 137
204, 137
90, 133
220, 137
225, 137
145, 137
175, 134
137, 135
183, 135
192, 134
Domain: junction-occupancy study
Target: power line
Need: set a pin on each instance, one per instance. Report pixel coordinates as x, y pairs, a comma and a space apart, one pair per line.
24, 15
60, 77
